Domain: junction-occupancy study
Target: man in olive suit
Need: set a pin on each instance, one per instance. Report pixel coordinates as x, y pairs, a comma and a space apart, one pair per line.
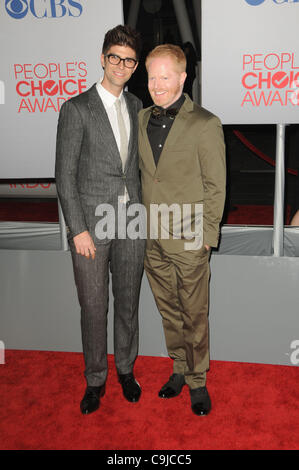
182, 163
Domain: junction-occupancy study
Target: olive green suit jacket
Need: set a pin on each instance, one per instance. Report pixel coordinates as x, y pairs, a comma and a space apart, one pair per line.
191, 169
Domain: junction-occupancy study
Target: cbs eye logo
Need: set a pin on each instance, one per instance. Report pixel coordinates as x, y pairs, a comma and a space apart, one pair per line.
16, 8
254, 2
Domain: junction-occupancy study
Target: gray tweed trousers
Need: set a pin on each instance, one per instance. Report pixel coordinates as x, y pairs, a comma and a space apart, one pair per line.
124, 258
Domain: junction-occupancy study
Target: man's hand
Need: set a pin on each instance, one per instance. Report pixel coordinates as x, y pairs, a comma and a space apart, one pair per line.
84, 244
207, 247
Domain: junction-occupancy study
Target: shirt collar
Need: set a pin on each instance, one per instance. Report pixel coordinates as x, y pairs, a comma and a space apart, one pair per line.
178, 103
107, 97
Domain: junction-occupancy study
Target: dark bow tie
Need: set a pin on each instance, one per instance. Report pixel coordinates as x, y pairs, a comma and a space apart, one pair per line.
158, 112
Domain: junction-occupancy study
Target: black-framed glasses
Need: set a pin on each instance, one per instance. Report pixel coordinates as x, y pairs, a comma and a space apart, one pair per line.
115, 60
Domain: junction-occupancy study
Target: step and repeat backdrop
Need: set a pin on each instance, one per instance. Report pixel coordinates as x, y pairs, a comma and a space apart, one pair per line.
50, 51
250, 60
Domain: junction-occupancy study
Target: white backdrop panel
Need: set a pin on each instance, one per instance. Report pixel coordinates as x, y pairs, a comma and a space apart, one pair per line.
50, 51
250, 60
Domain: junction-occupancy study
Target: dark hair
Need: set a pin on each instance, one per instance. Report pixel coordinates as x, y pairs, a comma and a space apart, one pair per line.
122, 36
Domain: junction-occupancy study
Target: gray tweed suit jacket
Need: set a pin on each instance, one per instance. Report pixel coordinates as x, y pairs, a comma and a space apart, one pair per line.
88, 168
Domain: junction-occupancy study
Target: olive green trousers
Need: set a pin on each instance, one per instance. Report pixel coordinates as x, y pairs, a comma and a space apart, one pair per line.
180, 285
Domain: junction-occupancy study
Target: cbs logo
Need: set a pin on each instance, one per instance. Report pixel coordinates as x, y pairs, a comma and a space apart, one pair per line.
278, 2
254, 2
18, 9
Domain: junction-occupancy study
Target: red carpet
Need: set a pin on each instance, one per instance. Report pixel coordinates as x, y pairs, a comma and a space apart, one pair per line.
254, 407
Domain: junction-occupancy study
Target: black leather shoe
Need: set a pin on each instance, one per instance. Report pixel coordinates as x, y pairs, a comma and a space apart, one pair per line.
131, 388
200, 401
91, 399
173, 387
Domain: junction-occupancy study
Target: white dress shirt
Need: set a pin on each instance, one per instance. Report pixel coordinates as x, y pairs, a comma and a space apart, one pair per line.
108, 100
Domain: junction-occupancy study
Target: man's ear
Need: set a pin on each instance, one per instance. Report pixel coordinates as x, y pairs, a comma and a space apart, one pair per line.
103, 61
183, 78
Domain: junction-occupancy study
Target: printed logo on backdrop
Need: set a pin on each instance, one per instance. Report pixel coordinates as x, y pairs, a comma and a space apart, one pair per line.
44, 87
18, 9
278, 2
270, 79
254, 2
2, 92
30, 186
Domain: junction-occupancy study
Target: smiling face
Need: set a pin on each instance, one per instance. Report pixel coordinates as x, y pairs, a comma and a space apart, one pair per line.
165, 80
116, 76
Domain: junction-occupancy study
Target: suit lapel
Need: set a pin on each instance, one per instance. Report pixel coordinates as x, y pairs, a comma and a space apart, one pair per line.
175, 134
98, 112
145, 144
180, 124
132, 111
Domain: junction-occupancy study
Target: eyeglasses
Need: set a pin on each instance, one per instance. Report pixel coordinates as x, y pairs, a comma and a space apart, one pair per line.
115, 60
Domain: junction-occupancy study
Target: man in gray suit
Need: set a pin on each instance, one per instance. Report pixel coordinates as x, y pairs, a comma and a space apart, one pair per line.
96, 164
